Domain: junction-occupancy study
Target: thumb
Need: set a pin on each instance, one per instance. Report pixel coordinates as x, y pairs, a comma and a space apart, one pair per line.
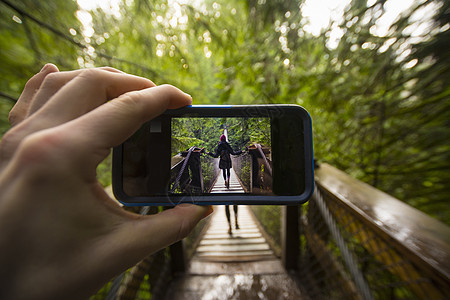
148, 234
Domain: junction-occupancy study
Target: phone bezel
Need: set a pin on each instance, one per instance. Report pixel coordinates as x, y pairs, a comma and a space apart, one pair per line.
228, 199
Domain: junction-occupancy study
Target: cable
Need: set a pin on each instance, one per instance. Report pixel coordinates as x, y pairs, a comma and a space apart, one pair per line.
349, 260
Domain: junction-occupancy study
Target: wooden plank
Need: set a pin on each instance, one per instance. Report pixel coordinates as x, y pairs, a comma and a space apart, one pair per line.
268, 266
242, 230
235, 235
242, 247
238, 266
237, 259
235, 286
235, 186
246, 243
234, 253
231, 241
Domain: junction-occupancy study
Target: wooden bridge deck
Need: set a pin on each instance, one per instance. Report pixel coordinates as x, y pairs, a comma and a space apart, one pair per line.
237, 266
235, 185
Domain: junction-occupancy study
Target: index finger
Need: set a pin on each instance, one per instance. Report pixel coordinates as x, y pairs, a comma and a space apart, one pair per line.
112, 123
22, 106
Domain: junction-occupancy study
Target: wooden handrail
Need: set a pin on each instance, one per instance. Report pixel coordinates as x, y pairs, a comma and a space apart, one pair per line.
423, 240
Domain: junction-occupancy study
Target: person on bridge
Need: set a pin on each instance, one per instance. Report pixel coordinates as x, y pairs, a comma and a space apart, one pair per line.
224, 150
62, 236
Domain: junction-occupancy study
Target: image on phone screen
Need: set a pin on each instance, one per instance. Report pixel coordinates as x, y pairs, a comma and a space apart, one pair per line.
257, 154
218, 155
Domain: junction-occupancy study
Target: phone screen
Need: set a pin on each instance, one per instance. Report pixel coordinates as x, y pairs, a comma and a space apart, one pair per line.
221, 155
243, 154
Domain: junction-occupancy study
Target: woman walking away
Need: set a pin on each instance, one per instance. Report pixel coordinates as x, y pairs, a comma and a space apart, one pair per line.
224, 150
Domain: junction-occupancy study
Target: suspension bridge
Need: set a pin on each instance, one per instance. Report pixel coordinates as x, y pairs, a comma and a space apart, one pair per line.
350, 241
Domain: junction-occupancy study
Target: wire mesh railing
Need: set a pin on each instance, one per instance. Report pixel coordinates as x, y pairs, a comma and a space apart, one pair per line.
269, 218
193, 172
254, 169
242, 166
358, 243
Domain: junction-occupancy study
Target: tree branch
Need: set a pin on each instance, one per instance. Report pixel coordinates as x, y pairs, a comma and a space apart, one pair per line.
71, 40
8, 97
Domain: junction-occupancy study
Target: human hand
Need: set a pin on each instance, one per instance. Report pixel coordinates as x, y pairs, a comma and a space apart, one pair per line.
62, 237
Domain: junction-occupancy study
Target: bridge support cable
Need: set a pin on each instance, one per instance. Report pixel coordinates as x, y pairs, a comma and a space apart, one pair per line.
350, 261
112, 293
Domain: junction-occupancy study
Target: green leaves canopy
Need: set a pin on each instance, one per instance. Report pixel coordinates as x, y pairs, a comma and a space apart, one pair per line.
379, 100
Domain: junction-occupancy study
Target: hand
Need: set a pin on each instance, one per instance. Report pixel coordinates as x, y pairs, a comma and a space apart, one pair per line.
61, 236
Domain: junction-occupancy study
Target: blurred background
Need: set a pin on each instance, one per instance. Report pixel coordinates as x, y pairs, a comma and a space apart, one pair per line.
373, 74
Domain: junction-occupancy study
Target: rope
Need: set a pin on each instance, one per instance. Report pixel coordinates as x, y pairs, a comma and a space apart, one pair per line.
177, 180
349, 260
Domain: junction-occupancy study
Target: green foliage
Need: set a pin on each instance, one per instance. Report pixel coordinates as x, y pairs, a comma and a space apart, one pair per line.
209, 171
26, 46
104, 171
206, 132
242, 167
379, 100
270, 219
381, 112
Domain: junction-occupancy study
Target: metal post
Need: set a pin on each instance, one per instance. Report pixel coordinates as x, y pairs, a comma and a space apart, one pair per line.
178, 257
290, 237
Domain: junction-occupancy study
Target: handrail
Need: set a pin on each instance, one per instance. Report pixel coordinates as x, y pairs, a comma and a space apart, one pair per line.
263, 156
352, 241
421, 238
183, 167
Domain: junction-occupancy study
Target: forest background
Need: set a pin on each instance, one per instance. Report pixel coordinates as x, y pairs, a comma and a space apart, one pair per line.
206, 132
378, 95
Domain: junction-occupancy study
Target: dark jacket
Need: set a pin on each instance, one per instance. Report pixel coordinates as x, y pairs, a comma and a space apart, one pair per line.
223, 151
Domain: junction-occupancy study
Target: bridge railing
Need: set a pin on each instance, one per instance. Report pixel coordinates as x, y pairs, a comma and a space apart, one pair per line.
352, 241
242, 165
193, 172
254, 169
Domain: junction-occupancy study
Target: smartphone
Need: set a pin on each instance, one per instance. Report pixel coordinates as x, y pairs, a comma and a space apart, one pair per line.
214, 155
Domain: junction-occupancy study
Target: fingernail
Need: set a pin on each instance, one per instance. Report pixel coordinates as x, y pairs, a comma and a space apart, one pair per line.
48, 66
209, 211
45, 67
